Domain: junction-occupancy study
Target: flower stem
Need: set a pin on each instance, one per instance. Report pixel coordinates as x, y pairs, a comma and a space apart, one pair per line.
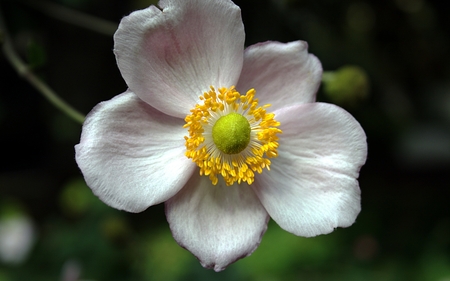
25, 72
73, 17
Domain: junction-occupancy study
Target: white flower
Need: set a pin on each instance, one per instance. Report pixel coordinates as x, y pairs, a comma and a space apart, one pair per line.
17, 236
186, 67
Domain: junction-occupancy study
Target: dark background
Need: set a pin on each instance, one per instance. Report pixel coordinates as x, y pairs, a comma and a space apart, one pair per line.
403, 231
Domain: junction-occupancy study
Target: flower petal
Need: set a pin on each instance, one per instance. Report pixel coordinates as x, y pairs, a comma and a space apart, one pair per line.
131, 155
312, 187
218, 224
281, 73
169, 57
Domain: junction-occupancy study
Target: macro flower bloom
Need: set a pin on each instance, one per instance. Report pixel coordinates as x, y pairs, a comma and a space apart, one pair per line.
226, 137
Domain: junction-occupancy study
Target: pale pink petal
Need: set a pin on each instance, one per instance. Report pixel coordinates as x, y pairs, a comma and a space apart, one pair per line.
169, 57
131, 155
312, 185
218, 224
281, 73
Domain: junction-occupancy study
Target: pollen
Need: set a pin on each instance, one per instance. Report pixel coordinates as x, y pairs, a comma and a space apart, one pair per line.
231, 136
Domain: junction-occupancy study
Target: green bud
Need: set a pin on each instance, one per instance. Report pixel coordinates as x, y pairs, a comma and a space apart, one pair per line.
347, 85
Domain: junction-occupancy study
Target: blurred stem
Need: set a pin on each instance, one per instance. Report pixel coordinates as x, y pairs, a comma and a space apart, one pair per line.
24, 71
73, 17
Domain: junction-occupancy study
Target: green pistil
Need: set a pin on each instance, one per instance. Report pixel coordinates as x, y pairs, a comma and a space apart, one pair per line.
231, 133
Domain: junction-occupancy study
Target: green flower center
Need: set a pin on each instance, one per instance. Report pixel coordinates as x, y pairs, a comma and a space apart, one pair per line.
231, 133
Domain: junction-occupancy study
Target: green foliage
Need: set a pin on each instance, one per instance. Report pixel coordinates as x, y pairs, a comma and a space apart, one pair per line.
161, 257
4, 276
76, 198
346, 86
10, 208
36, 54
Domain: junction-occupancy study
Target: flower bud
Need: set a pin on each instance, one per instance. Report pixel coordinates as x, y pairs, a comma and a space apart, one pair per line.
346, 86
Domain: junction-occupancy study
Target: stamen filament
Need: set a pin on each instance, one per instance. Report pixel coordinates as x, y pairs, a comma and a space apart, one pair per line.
233, 167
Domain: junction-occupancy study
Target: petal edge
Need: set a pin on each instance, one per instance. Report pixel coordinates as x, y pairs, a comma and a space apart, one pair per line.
312, 187
178, 52
281, 73
218, 224
126, 151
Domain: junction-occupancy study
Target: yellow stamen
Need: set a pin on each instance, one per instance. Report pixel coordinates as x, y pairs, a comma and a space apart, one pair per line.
201, 144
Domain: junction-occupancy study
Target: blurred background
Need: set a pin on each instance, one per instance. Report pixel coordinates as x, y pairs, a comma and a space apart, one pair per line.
386, 61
